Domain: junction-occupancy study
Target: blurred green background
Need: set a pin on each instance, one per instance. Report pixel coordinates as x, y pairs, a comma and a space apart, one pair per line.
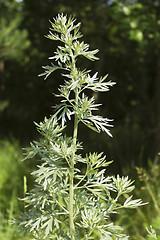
127, 33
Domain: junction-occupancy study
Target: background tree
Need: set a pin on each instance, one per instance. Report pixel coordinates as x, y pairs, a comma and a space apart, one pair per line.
13, 45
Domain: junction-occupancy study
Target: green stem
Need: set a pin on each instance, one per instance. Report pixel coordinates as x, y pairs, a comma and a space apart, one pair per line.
71, 182
152, 196
71, 193
71, 187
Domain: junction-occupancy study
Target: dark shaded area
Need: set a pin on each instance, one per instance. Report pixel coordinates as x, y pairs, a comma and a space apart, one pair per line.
128, 37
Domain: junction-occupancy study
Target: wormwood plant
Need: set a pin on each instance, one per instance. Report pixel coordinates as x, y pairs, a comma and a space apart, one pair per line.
66, 203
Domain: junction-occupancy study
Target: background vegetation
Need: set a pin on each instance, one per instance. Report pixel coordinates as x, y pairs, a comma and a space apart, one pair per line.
127, 33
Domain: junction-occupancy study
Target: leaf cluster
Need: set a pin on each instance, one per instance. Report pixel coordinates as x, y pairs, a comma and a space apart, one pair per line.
75, 79
96, 197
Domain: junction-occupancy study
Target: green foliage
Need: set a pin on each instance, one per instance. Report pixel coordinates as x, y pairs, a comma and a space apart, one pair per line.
10, 162
148, 188
67, 203
11, 180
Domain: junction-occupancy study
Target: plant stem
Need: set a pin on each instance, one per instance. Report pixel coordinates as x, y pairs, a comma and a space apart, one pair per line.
71, 193
152, 196
71, 187
71, 183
